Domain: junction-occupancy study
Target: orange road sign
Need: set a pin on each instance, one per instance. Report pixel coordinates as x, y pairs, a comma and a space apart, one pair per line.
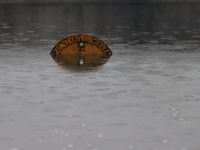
81, 51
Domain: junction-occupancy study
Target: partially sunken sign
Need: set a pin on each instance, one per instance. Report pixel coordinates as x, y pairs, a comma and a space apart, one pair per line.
81, 44
81, 52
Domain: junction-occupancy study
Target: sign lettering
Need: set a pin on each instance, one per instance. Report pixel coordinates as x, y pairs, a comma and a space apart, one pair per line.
89, 44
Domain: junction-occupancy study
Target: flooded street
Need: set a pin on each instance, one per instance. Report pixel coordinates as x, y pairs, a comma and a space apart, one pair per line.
146, 97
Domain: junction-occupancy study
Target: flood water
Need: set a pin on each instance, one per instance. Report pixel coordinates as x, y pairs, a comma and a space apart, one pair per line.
146, 97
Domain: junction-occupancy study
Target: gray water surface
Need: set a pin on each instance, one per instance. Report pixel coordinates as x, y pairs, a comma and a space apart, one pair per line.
146, 97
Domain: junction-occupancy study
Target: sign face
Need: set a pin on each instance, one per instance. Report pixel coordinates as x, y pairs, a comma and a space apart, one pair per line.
81, 44
81, 51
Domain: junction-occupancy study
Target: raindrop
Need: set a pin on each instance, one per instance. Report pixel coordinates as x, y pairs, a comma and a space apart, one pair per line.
6, 120
6, 27
66, 135
70, 145
176, 111
13, 149
165, 141
89, 145
56, 131
83, 125
173, 109
100, 135
184, 149
174, 114
30, 31
181, 119
131, 146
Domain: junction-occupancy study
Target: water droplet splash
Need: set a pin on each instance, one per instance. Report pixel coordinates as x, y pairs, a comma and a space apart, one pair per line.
5, 120
70, 145
69, 116
165, 141
83, 125
131, 146
89, 145
100, 135
175, 112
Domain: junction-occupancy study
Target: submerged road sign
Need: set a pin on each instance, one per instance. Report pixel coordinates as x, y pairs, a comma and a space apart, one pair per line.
82, 51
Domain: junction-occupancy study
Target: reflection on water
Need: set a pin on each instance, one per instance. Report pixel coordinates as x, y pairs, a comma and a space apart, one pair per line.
146, 97
78, 62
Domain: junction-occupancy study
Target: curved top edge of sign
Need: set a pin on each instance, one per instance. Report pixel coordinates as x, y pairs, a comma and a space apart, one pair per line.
80, 44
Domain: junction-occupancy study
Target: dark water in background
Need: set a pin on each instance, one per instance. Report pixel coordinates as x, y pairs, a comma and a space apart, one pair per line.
148, 23
146, 97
